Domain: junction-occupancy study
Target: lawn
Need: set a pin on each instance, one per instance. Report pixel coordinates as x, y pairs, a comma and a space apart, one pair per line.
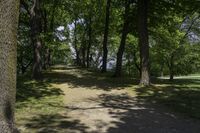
37, 102
182, 95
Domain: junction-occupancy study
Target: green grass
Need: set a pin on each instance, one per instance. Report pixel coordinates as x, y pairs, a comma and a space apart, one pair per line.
40, 106
36, 99
181, 95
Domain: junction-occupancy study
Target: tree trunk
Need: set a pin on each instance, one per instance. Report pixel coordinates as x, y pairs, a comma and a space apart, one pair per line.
105, 41
9, 13
45, 30
37, 66
78, 60
161, 70
143, 41
137, 66
171, 75
35, 23
129, 65
121, 49
51, 30
171, 68
89, 41
47, 58
83, 49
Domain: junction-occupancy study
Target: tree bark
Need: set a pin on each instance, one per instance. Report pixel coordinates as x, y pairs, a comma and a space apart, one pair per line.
143, 41
83, 49
37, 67
78, 60
47, 58
105, 41
171, 68
137, 66
129, 66
171, 75
36, 29
9, 14
45, 30
89, 41
121, 49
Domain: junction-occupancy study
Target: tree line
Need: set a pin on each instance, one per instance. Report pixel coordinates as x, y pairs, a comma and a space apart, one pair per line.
101, 31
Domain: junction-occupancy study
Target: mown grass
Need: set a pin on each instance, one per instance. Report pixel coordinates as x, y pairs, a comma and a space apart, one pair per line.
40, 106
35, 99
182, 95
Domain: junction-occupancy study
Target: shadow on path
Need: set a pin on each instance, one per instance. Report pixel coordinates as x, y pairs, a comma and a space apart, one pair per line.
110, 112
87, 79
130, 115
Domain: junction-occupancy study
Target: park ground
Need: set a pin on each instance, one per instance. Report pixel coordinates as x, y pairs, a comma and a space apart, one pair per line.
75, 100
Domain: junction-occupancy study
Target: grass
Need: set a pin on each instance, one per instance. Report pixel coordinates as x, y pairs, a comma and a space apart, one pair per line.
181, 95
35, 99
39, 105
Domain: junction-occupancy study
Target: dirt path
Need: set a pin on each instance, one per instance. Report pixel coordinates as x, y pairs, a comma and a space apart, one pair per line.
95, 106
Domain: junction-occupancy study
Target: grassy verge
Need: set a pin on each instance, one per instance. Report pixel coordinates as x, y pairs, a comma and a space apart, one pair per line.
181, 95
36, 102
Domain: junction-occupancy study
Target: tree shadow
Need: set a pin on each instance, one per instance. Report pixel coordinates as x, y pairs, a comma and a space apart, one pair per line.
128, 114
177, 81
34, 100
133, 115
64, 67
55, 123
181, 96
89, 79
27, 88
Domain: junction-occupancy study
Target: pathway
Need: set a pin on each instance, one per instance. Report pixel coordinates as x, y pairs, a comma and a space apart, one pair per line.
97, 105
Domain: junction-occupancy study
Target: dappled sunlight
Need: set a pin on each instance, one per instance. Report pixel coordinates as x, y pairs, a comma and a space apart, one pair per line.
29, 89
76, 100
55, 123
120, 113
184, 98
85, 79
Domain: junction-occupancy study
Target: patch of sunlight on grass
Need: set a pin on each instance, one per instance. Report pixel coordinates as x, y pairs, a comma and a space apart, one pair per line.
181, 95
36, 98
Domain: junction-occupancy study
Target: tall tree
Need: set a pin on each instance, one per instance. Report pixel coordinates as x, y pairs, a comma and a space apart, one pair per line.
105, 40
143, 41
8, 54
123, 40
78, 60
36, 28
47, 57
89, 39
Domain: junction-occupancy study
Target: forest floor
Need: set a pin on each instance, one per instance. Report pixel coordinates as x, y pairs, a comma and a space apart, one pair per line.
73, 100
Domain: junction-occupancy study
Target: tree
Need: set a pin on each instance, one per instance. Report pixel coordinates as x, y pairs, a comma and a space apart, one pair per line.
123, 40
36, 28
89, 38
105, 40
8, 54
48, 28
172, 41
143, 41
